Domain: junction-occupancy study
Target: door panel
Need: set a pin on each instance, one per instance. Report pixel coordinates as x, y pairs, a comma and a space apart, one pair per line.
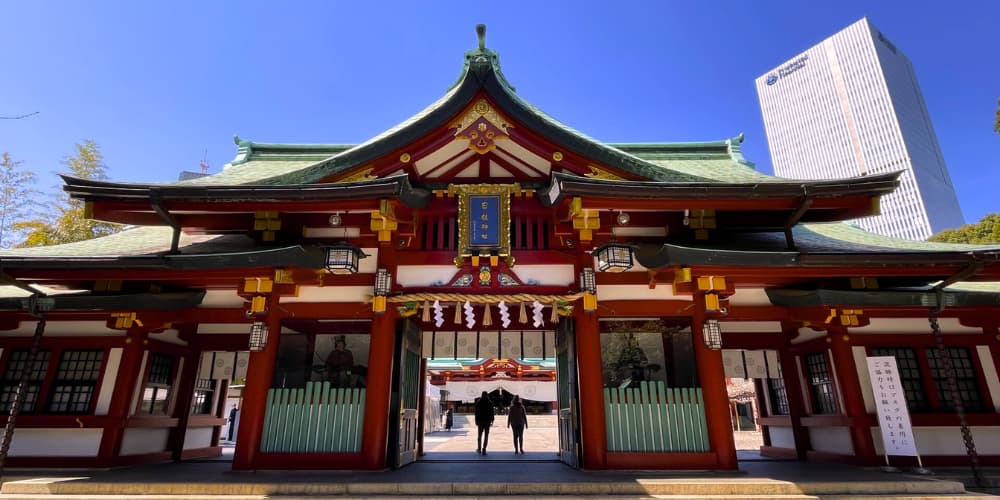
406, 394
567, 393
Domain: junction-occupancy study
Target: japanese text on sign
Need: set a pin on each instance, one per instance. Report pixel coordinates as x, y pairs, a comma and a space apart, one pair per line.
890, 401
484, 221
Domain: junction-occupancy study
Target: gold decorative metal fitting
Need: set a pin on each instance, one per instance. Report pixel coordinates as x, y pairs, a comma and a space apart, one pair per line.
404, 158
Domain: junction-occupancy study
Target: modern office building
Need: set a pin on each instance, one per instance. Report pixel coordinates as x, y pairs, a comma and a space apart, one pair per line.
851, 106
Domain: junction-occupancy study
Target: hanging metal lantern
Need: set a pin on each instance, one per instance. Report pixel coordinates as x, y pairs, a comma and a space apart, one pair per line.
383, 282
712, 333
588, 282
613, 257
258, 336
342, 258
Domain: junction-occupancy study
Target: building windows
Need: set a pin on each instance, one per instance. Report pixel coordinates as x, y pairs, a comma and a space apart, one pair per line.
821, 384
204, 392
76, 376
921, 395
155, 396
910, 376
16, 366
777, 396
965, 378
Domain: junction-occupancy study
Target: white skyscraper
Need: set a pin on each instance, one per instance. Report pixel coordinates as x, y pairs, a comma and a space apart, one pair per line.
851, 106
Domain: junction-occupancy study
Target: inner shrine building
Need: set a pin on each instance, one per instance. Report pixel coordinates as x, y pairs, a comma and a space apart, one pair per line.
322, 279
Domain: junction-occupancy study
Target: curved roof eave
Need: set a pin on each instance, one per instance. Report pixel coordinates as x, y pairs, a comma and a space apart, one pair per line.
307, 257
394, 186
789, 297
563, 185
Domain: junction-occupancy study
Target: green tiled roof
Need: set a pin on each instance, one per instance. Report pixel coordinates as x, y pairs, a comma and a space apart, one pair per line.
852, 237
146, 240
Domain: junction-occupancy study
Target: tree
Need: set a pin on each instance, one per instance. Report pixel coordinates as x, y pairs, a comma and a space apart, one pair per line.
17, 198
67, 221
987, 230
996, 126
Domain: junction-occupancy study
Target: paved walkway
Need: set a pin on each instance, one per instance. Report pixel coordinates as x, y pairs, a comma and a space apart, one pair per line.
452, 468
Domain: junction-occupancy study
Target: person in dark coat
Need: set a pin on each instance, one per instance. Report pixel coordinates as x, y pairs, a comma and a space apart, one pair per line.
484, 419
517, 421
449, 420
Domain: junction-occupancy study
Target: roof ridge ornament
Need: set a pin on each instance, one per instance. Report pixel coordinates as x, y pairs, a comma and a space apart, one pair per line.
481, 34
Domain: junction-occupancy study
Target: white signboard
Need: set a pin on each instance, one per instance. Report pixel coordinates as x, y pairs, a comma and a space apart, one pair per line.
890, 401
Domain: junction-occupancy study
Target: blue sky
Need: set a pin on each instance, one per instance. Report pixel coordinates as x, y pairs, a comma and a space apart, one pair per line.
156, 84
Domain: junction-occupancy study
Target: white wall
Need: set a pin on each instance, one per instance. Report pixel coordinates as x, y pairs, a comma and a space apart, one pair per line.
108, 381
198, 437
56, 442
948, 440
781, 437
831, 440
142, 440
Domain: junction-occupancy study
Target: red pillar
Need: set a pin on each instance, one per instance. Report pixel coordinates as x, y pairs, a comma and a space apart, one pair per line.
591, 384
796, 405
182, 410
121, 400
711, 374
260, 373
854, 403
375, 433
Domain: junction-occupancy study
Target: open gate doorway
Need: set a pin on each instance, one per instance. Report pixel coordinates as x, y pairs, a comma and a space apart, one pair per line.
537, 366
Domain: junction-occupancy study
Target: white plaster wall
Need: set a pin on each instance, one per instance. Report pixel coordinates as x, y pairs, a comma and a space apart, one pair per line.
913, 325
56, 442
425, 275
221, 298
330, 294
637, 292
839, 386
749, 297
61, 328
552, 275
948, 440
861, 365
781, 437
222, 328
990, 372
831, 440
806, 334
142, 440
108, 381
750, 326
198, 437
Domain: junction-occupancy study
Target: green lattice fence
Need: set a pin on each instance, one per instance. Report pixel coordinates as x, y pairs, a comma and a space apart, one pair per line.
316, 418
655, 418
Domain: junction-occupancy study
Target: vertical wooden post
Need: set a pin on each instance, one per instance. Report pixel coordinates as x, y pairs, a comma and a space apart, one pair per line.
182, 409
219, 409
793, 392
421, 411
129, 369
260, 374
375, 432
711, 374
854, 403
593, 432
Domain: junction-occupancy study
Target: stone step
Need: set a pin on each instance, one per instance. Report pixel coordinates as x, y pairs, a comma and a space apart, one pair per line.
247, 487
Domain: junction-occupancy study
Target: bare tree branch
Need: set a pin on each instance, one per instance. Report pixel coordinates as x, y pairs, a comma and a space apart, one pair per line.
19, 117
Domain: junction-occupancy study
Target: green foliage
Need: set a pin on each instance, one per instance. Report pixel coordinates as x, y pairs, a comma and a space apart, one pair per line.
67, 222
17, 198
987, 230
996, 126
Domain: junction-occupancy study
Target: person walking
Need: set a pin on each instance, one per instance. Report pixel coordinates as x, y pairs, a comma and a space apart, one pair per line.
517, 421
484, 419
449, 420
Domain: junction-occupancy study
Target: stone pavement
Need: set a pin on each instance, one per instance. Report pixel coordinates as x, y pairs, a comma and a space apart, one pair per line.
452, 469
